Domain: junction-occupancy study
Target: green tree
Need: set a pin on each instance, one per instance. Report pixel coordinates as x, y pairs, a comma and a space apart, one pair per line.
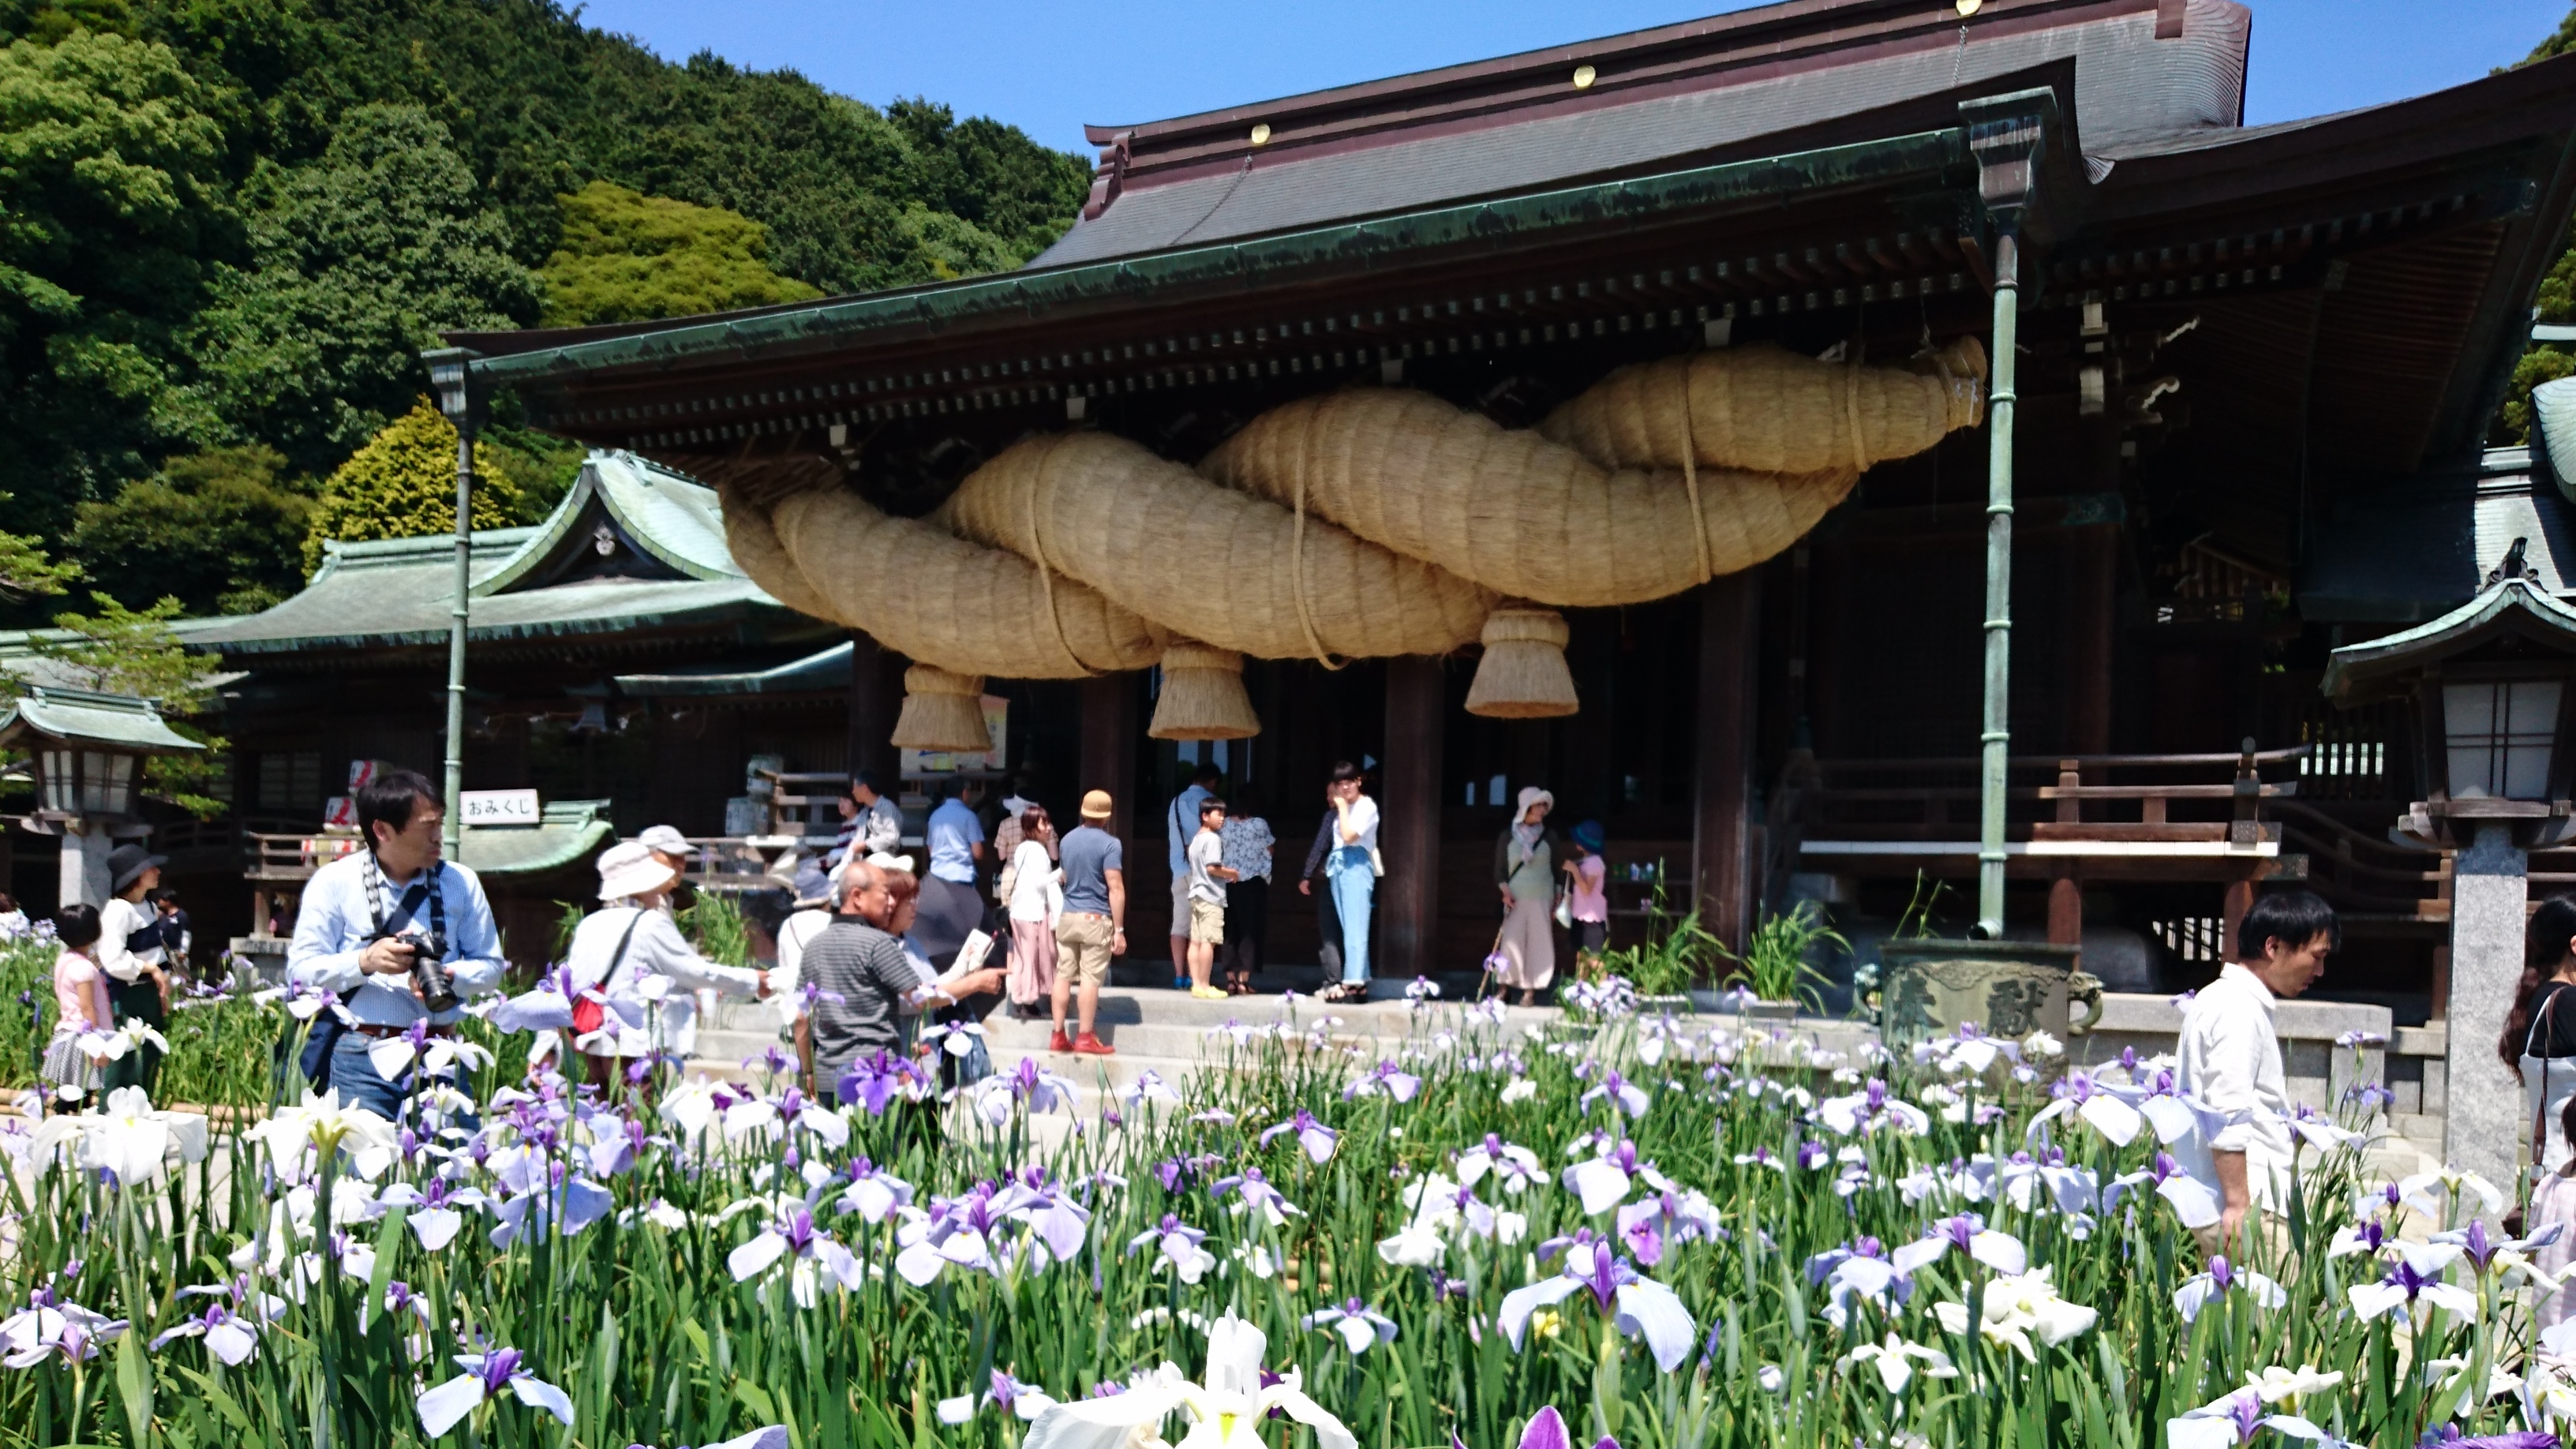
25, 570
2544, 361
402, 484
135, 651
362, 259
628, 257
111, 194
216, 529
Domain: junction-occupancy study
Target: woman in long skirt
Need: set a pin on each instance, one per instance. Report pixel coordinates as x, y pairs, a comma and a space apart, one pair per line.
1525, 872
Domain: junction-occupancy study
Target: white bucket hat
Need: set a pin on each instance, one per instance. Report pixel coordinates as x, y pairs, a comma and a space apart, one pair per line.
1533, 795
629, 868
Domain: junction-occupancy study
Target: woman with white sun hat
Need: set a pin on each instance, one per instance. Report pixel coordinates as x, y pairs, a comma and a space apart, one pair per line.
631, 952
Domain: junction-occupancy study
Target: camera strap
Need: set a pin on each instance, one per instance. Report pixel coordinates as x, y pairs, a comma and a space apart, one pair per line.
378, 888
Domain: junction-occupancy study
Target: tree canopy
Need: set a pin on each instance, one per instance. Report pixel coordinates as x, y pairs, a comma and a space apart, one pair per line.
628, 257
228, 227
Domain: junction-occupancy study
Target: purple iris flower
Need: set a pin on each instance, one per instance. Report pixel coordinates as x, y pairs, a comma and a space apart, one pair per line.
1318, 1140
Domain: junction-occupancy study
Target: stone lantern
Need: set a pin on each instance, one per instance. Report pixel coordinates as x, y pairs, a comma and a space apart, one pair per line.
88, 751
2493, 682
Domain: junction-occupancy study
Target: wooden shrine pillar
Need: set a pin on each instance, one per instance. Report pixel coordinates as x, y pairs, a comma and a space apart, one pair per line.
1722, 787
1109, 749
1408, 902
876, 697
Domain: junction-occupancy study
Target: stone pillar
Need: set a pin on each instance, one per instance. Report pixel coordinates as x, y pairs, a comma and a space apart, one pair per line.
1722, 789
2484, 1129
1109, 751
84, 871
876, 697
1408, 903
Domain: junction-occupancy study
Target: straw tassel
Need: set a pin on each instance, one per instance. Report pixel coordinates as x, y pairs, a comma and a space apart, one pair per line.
1202, 696
1523, 673
941, 711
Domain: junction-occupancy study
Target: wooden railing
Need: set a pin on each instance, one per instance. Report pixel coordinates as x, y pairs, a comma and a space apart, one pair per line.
2057, 798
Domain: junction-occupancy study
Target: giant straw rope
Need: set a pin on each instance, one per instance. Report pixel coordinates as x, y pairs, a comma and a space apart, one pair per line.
1367, 522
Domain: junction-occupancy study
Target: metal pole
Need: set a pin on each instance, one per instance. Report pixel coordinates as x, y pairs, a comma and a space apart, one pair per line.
1996, 737
1998, 733
459, 614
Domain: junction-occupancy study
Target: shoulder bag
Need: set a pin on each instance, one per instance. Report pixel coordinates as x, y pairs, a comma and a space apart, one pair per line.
589, 1013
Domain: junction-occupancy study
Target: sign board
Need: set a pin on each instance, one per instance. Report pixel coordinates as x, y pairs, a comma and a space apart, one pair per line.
500, 807
997, 721
340, 812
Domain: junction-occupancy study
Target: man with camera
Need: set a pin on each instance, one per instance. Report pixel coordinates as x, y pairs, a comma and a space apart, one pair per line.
399, 934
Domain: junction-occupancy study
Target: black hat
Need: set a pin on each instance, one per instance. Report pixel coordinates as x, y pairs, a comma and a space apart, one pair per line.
126, 865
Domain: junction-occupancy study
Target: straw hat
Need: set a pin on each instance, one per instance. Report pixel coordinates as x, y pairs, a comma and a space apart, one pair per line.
629, 868
1095, 805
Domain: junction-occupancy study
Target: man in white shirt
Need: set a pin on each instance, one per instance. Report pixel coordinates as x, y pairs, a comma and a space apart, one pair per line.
1180, 822
870, 823
361, 921
2230, 1056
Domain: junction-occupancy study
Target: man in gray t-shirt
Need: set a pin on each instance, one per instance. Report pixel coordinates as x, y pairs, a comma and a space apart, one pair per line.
857, 962
1093, 924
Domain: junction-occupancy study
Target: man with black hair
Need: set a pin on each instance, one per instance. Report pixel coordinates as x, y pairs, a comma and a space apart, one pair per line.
363, 920
870, 823
2230, 1057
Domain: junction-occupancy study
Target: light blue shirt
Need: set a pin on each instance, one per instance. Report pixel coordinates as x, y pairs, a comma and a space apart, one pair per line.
335, 919
1180, 822
954, 834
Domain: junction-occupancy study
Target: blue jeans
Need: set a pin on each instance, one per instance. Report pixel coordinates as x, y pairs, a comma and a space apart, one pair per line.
1354, 889
355, 1078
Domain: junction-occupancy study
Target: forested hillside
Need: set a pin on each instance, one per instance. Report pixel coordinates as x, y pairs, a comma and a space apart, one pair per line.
227, 227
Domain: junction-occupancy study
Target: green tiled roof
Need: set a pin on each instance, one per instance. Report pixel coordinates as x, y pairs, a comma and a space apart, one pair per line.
396, 592
86, 717
822, 671
569, 831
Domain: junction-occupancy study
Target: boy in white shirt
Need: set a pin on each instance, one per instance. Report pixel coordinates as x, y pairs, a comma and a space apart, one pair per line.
1208, 875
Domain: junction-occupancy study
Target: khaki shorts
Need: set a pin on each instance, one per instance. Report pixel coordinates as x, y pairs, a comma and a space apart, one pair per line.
1207, 924
1082, 949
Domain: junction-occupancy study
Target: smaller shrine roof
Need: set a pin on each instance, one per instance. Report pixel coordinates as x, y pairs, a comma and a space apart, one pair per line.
823, 671
567, 832
83, 716
632, 546
2400, 555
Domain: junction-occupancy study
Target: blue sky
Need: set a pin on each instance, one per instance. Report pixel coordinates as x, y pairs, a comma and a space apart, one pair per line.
1051, 65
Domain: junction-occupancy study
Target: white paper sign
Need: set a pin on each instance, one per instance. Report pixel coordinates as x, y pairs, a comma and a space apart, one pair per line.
500, 807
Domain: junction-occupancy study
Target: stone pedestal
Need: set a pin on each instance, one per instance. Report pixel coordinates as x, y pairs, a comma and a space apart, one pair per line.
84, 871
2486, 1129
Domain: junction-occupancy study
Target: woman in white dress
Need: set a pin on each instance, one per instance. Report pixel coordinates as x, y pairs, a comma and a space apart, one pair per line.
632, 952
1525, 859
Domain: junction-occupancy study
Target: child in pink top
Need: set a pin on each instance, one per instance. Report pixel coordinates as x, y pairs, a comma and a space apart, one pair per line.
80, 1003
1588, 899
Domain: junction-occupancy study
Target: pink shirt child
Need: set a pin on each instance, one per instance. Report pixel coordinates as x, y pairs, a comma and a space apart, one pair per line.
80, 994
1591, 902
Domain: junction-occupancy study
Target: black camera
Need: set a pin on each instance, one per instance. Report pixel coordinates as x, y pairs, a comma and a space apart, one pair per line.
428, 968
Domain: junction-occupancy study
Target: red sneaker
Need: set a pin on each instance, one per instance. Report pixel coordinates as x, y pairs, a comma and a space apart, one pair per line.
1059, 1042
1092, 1046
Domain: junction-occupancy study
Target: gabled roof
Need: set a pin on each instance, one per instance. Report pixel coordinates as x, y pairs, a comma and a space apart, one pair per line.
83, 716
664, 516
396, 592
2145, 72
2510, 607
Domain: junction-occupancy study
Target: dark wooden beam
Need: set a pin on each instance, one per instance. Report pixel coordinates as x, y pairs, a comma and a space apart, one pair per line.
876, 696
1109, 750
1408, 902
1729, 610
